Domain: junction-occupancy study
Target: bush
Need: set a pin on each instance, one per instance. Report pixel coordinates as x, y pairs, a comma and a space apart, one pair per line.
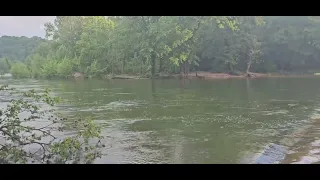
50, 69
18, 135
4, 68
20, 70
35, 64
53, 68
64, 68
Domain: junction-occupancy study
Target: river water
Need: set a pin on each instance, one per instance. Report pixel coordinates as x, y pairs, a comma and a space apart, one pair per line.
195, 121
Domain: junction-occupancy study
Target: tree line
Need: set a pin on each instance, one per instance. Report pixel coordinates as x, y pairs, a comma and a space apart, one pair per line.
16, 49
150, 46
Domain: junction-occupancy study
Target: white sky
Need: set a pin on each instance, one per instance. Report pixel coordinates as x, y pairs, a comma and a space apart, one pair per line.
24, 25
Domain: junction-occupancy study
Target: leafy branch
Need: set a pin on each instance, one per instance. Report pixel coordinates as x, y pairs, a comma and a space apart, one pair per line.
22, 141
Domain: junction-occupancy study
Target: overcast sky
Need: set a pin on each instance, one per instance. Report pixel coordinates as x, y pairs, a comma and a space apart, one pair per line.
23, 25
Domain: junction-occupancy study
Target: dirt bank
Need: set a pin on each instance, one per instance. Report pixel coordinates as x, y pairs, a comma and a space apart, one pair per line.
208, 75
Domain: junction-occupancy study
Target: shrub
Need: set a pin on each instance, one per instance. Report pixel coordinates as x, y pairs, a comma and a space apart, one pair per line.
50, 69
64, 68
20, 70
35, 64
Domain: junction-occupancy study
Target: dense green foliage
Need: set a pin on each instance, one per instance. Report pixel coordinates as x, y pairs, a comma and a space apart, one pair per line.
4, 66
15, 50
18, 48
29, 132
151, 45
20, 70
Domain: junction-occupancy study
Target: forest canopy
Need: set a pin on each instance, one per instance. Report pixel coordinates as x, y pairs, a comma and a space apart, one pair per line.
18, 48
98, 46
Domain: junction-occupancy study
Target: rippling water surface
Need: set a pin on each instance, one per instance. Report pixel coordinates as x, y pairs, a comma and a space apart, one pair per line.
211, 121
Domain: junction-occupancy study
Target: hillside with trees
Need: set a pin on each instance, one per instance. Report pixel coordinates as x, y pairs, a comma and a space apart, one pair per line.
149, 46
16, 49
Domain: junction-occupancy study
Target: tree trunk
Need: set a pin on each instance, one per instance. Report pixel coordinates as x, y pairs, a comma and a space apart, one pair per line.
181, 70
184, 69
112, 68
248, 63
248, 68
160, 65
153, 64
123, 65
141, 68
231, 67
187, 69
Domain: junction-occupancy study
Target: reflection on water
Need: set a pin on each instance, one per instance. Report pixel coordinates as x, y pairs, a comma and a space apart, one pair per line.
194, 121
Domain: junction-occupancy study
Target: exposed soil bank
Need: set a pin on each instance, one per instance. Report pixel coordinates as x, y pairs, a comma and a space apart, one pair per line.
194, 75
125, 77
208, 75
